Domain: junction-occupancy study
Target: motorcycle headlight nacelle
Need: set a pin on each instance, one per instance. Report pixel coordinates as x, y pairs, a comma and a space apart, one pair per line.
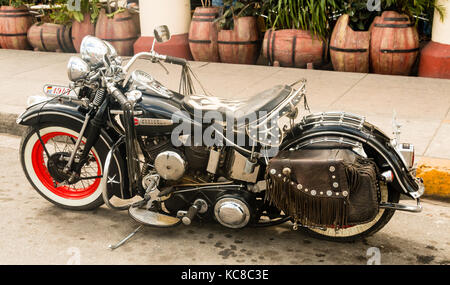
77, 69
93, 50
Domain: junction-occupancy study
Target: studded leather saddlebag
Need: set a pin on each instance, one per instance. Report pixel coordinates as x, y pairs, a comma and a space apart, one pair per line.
323, 187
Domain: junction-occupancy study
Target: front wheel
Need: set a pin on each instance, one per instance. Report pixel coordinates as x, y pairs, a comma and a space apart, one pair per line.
352, 233
44, 171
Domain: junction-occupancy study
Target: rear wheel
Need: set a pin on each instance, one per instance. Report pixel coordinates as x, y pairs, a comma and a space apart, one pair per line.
44, 171
356, 232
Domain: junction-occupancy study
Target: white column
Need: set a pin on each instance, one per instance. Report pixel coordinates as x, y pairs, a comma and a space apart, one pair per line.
176, 14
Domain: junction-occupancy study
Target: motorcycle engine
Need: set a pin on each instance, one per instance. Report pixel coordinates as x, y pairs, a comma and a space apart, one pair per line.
173, 163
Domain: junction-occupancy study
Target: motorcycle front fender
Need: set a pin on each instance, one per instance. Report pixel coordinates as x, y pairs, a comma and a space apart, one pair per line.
369, 136
70, 113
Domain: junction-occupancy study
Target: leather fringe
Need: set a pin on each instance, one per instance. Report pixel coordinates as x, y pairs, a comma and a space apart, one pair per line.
305, 208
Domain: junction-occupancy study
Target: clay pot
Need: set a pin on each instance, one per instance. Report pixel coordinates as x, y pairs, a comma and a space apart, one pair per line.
14, 24
394, 44
51, 37
240, 45
349, 50
82, 29
293, 48
120, 31
203, 34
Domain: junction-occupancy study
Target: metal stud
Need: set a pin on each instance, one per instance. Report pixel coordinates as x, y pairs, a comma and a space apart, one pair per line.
335, 185
279, 175
299, 186
313, 192
345, 193
329, 193
286, 171
337, 193
273, 171
334, 176
306, 190
321, 193
332, 168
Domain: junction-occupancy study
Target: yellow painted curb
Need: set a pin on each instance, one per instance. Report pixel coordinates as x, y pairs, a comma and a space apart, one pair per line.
435, 173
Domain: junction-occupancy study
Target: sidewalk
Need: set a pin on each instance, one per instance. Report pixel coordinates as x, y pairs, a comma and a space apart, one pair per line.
422, 104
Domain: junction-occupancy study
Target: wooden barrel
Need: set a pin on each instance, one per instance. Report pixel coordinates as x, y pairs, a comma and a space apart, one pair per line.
120, 31
240, 45
203, 34
14, 24
293, 48
51, 37
82, 29
394, 44
349, 50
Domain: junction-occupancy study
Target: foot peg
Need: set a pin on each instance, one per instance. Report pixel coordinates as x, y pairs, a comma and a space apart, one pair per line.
154, 219
199, 206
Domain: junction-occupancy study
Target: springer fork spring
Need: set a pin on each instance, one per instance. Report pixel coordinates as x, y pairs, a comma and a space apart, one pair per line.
99, 96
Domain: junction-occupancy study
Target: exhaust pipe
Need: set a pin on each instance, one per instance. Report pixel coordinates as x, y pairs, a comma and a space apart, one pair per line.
402, 207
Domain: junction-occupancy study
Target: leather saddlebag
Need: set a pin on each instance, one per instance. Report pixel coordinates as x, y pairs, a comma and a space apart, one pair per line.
323, 187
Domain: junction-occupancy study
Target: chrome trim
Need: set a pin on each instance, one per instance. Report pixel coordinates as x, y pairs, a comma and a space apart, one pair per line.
120, 112
333, 117
402, 207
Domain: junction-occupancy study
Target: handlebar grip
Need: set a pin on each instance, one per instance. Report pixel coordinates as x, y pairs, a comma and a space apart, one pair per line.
121, 99
175, 60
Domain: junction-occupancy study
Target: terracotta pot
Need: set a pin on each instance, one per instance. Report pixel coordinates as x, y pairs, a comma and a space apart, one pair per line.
293, 48
394, 44
51, 37
120, 31
349, 50
203, 34
14, 24
240, 45
82, 29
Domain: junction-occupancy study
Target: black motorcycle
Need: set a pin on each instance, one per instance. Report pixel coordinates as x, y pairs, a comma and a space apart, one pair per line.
188, 156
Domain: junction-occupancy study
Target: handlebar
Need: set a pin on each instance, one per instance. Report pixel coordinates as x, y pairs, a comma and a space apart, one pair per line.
175, 60
156, 56
119, 96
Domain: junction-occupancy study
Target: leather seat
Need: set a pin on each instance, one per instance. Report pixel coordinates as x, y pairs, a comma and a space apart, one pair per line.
265, 102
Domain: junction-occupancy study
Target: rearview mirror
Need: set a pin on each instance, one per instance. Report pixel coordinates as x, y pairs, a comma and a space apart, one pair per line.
162, 34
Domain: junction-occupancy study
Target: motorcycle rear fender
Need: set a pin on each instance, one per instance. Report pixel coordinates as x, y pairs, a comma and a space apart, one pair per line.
67, 112
404, 181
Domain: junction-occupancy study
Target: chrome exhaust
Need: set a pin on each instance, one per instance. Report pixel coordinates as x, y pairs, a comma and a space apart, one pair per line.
402, 207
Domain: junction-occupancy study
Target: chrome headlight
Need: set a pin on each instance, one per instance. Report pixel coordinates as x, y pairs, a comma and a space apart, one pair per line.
112, 51
77, 69
93, 50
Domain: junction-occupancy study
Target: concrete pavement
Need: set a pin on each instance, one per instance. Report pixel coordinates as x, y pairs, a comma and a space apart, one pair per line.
34, 231
422, 104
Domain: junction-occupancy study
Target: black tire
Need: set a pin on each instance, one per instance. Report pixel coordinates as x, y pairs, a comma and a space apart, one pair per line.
393, 196
30, 141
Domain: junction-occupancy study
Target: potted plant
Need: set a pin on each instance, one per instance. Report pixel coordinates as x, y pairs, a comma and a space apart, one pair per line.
53, 32
394, 44
116, 25
203, 33
238, 38
350, 40
15, 20
83, 23
297, 31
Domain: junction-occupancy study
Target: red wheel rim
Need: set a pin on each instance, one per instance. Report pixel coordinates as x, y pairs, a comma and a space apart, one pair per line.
40, 168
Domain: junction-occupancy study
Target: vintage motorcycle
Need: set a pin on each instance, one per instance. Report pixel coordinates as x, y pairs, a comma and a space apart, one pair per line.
112, 133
